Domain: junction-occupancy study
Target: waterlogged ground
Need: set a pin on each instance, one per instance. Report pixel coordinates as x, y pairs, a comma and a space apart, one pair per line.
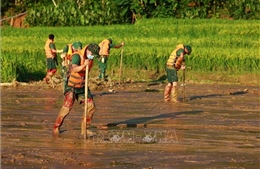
216, 127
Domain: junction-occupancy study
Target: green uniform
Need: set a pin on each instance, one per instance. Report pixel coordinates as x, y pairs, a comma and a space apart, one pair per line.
79, 92
51, 63
102, 64
171, 72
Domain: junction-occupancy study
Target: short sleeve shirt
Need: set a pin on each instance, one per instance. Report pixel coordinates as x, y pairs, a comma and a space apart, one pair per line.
75, 59
65, 49
52, 46
111, 45
178, 52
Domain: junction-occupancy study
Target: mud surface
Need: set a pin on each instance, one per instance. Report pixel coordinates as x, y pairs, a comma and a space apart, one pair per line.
216, 127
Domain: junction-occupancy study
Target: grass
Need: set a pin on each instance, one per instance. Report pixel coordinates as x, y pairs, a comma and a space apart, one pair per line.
221, 48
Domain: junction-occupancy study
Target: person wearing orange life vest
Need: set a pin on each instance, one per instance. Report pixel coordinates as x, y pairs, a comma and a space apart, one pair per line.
51, 58
66, 54
175, 62
66, 59
104, 53
75, 87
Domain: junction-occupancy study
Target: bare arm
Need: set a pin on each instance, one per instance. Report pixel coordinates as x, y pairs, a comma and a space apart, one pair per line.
119, 45
56, 51
77, 68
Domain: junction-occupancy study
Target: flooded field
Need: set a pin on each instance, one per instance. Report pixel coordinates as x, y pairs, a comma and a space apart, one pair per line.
216, 127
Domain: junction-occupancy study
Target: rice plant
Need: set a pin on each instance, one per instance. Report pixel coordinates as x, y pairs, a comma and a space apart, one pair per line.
218, 45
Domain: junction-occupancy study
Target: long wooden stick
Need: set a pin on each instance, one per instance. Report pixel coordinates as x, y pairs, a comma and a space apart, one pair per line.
121, 63
65, 72
54, 3
183, 83
86, 104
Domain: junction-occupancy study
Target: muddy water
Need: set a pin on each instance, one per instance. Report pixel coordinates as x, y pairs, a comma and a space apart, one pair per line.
216, 127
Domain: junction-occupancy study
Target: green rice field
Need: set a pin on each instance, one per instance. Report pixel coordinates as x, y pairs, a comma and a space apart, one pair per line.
220, 47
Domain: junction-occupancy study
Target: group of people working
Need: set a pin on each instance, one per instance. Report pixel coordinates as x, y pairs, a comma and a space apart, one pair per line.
75, 60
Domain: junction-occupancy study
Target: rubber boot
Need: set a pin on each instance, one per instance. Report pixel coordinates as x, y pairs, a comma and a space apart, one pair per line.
174, 95
89, 132
88, 122
167, 93
47, 79
102, 75
59, 120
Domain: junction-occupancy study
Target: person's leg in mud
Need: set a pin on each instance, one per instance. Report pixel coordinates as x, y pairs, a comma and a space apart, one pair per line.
90, 112
49, 75
66, 107
168, 87
170, 92
102, 65
167, 92
51, 70
174, 93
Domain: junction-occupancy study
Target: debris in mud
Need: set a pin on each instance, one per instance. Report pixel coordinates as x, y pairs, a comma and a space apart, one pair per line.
239, 92
102, 127
23, 124
99, 85
111, 90
151, 90
14, 83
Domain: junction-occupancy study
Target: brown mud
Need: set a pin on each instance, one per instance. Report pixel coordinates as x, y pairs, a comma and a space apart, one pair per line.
216, 127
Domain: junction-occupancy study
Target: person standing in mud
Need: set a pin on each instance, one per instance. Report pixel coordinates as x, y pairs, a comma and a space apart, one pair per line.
51, 58
104, 53
75, 87
175, 62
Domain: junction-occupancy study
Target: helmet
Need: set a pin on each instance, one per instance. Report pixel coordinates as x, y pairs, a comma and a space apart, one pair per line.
77, 45
94, 48
189, 49
110, 40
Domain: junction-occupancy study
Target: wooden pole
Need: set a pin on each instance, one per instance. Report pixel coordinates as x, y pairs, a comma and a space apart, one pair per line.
65, 72
121, 63
183, 83
54, 3
86, 104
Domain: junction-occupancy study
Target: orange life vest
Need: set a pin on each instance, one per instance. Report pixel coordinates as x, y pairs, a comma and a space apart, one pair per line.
104, 48
69, 53
77, 80
174, 60
48, 50
83, 51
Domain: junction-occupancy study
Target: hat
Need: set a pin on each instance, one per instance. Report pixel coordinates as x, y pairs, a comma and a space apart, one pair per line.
77, 45
189, 49
94, 48
110, 40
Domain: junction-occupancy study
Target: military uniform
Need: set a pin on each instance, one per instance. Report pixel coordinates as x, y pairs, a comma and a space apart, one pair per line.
51, 58
104, 53
174, 63
75, 86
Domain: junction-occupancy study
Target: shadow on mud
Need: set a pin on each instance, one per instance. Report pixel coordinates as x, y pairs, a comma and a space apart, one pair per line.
217, 95
136, 121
